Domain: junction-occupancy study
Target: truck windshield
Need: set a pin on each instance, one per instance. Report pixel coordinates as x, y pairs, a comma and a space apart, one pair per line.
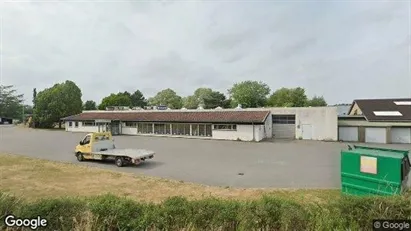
86, 140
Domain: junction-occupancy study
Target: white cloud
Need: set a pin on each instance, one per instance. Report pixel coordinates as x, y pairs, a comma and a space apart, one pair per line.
342, 50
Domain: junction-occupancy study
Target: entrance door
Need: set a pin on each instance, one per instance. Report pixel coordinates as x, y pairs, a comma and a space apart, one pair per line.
307, 130
115, 128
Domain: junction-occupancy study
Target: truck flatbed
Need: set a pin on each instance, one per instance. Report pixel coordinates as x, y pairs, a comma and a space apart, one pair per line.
132, 153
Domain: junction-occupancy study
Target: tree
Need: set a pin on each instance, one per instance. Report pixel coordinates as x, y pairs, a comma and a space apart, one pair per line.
124, 99
288, 97
280, 98
317, 101
119, 99
34, 96
201, 93
31, 121
167, 97
52, 104
190, 102
216, 99
207, 98
126, 93
138, 100
298, 97
89, 105
197, 99
249, 94
10, 102
41, 113
28, 110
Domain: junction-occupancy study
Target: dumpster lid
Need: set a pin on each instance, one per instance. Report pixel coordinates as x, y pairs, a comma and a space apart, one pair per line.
374, 151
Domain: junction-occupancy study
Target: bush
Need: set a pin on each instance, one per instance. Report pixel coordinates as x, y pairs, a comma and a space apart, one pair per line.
175, 214
110, 212
272, 213
212, 213
8, 205
61, 214
358, 211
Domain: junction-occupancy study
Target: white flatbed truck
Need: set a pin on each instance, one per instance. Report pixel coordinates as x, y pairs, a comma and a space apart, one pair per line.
100, 146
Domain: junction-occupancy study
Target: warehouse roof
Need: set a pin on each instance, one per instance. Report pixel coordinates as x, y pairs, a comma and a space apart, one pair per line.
175, 116
389, 110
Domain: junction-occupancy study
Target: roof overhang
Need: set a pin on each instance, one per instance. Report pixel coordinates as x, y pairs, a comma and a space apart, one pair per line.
259, 117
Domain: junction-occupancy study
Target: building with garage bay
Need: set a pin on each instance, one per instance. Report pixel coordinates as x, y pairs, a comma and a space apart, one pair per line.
377, 121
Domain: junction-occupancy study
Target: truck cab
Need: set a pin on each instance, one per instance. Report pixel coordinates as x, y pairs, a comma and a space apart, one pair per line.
94, 142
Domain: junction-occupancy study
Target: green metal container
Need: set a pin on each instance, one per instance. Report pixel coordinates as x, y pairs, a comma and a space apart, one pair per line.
374, 171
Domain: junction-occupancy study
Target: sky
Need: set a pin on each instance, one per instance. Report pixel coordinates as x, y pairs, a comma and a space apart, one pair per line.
342, 50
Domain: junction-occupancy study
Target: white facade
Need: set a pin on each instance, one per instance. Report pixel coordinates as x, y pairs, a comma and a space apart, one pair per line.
72, 126
246, 132
128, 130
315, 123
241, 132
311, 123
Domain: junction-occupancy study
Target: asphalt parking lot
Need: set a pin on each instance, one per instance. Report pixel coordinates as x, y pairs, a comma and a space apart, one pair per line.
279, 164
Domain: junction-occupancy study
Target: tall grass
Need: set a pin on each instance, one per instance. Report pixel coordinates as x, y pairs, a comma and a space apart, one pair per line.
109, 212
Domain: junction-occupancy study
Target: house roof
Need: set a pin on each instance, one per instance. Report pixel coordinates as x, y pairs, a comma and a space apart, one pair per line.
369, 106
176, 116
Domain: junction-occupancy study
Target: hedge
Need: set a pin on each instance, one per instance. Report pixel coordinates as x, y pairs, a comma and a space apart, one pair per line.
109, 212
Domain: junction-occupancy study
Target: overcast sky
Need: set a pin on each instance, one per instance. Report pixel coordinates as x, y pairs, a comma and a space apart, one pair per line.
339, 49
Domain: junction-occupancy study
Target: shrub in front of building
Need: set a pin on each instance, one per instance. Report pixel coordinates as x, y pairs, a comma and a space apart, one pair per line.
110, 212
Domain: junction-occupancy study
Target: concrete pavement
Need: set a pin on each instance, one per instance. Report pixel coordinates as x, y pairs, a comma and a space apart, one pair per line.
281, 164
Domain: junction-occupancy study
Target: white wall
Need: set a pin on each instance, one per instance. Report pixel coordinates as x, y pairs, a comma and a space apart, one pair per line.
244, 133
269, 127
259, 132
129, 130
324, 120
80, 128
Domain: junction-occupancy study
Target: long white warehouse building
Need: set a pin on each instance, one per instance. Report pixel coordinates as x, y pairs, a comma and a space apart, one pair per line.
316, 123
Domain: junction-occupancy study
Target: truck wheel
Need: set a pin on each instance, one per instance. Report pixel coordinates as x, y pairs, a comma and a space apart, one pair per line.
119, 162
80, 156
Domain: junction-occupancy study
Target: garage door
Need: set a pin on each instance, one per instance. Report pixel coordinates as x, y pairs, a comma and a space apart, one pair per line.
348, 134
283, 126
284, 131
376, 135
401, 135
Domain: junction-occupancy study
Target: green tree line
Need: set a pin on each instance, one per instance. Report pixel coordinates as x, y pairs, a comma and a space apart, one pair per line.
65, 99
